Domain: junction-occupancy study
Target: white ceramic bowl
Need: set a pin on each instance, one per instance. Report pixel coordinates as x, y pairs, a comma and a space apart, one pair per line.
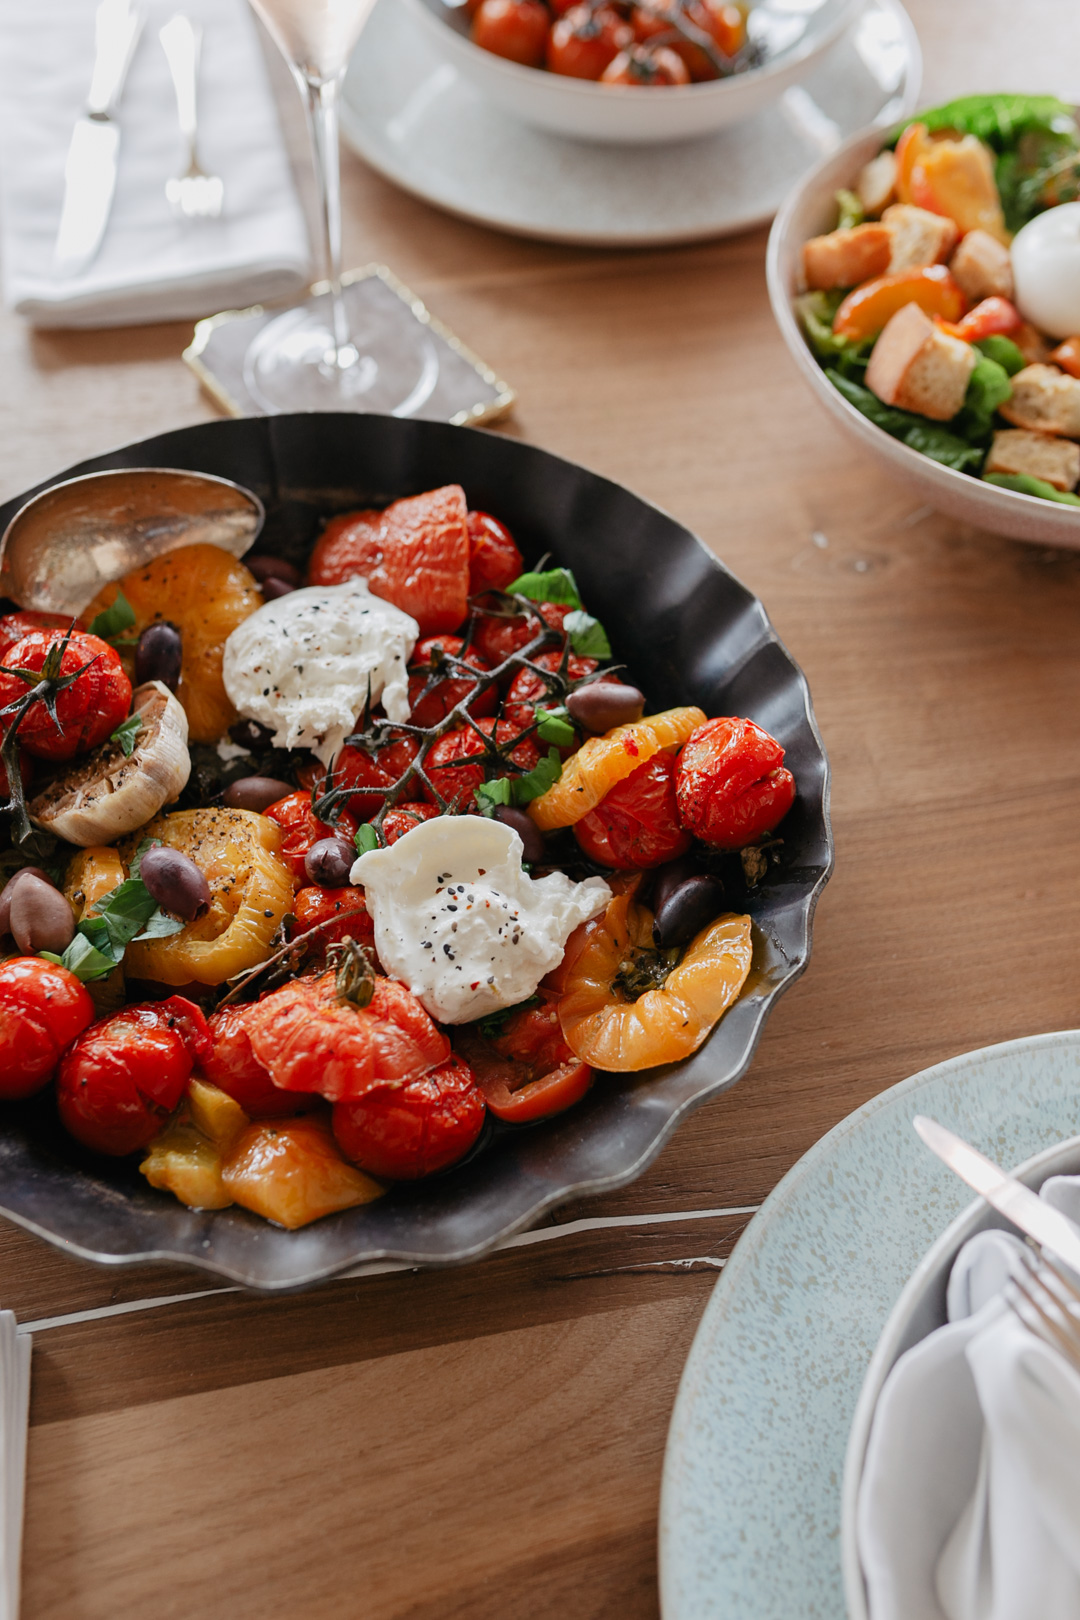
920, 1310
810, 210
795, 32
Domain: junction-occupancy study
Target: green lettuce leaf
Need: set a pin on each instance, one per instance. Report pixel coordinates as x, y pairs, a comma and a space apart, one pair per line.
988, 387
849, 210
915, 431
1024, 484
1004, 351
999, 120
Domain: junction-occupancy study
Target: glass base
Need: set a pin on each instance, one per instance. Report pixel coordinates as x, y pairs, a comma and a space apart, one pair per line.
295, 364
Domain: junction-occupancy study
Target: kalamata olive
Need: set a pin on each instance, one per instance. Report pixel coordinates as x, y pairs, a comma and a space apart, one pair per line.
667, 878
40, 917
255, 792
159, 654
273, 588
250, 734
8, 891
687, 909
175, 882
604, 704
264, 568
329, 862
526, 830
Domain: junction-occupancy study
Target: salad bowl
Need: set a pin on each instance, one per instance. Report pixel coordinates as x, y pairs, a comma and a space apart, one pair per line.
690, 633
809, 211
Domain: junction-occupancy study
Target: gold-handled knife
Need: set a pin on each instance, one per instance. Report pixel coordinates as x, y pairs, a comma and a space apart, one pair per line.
1008, 1196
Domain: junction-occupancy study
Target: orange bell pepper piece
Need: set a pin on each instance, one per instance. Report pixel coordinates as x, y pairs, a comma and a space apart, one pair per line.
869, 308
1067, 356
993, 316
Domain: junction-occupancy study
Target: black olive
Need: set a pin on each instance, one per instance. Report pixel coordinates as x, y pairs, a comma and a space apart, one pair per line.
687, 909
604, 704
273, 588
250, 734
255, 792
159, 654
329, 862
527, 831
7, 893
264, 568
40, 917
175, 882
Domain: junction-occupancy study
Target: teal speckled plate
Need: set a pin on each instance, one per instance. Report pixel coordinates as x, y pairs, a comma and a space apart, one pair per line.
750, 1506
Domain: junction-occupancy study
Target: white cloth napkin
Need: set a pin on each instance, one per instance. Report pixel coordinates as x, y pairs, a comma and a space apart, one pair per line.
151, 266
14, 1416
969, 1507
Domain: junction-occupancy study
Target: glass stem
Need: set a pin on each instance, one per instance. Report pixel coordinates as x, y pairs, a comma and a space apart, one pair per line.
322, 111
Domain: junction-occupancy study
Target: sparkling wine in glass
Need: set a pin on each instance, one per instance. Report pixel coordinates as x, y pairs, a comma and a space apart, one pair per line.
313, 358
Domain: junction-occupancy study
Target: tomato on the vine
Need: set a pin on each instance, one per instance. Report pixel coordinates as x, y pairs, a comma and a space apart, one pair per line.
369, 776
42, 1009
449, 764
636, 824
87, 711
432, 698
314, 906
494, 560
731, 784
516, 29
124, 1075
527, 689
301, 828
14, 626
233, 1067
585, 40
403, 818
526, 1070
403, 1132
498, 635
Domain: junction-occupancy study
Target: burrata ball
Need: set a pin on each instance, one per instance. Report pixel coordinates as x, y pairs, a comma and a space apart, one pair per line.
1046, 270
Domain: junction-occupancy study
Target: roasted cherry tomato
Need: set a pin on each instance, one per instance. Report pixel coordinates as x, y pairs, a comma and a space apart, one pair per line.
310, 1036
648, 22
14, 626
1066, 355
636, 825
516, 29
404, 817
646, 65
585, 40
313, 906
527, 689
301, 827
433, 693
403, 1132
498, 635
369, 776
731, 784
42, 1009
88, 711
991, 317
233, 1066
125, 1074
526, 1071
448, 762
494, 560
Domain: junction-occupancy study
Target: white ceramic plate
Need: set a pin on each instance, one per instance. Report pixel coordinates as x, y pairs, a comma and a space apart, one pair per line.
410, 114
750, 1507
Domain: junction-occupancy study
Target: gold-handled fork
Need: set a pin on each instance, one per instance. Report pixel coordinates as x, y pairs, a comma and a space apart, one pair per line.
192, 194
1046, 1301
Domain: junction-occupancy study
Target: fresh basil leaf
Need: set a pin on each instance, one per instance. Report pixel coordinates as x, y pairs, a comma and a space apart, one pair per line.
554, 585
124, 912
988, 387
538, 780
849, 210
84, 958
493, 1025
1004, 351
114, 620
160, 926
914, 431
144, 844
554, 726
587, 635
365, 838
1025, 484
126, 733
490, 794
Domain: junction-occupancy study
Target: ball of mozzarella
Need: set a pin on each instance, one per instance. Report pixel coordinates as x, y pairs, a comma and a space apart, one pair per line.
1046, 269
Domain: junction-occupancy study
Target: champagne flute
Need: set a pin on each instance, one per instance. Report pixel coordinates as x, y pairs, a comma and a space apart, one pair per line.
313, 357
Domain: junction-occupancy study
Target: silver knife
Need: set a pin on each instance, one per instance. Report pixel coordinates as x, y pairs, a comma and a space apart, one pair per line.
1010, 1197
90, 171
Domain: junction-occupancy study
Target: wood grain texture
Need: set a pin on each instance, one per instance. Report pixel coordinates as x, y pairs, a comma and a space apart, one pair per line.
487, 1442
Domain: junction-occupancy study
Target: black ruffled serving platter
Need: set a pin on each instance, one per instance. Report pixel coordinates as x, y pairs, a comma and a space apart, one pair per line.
689, 632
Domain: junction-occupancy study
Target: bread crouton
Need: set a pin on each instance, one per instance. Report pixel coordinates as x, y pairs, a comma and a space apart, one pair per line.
876, 185
845, 258
918, 367
918, 237
1040, 455
983, 267
1044, 400
1031, 343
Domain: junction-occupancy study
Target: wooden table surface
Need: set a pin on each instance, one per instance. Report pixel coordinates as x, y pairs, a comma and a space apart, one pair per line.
487, 1442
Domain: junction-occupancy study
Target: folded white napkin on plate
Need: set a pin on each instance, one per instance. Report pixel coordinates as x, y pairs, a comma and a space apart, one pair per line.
14, 1414
969, 1507
151, 266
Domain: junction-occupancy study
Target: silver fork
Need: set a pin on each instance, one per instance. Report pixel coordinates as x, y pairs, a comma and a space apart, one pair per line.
1046, 1301
193, 194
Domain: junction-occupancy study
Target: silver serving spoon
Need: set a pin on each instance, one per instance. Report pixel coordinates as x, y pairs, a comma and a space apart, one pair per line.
66, 543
